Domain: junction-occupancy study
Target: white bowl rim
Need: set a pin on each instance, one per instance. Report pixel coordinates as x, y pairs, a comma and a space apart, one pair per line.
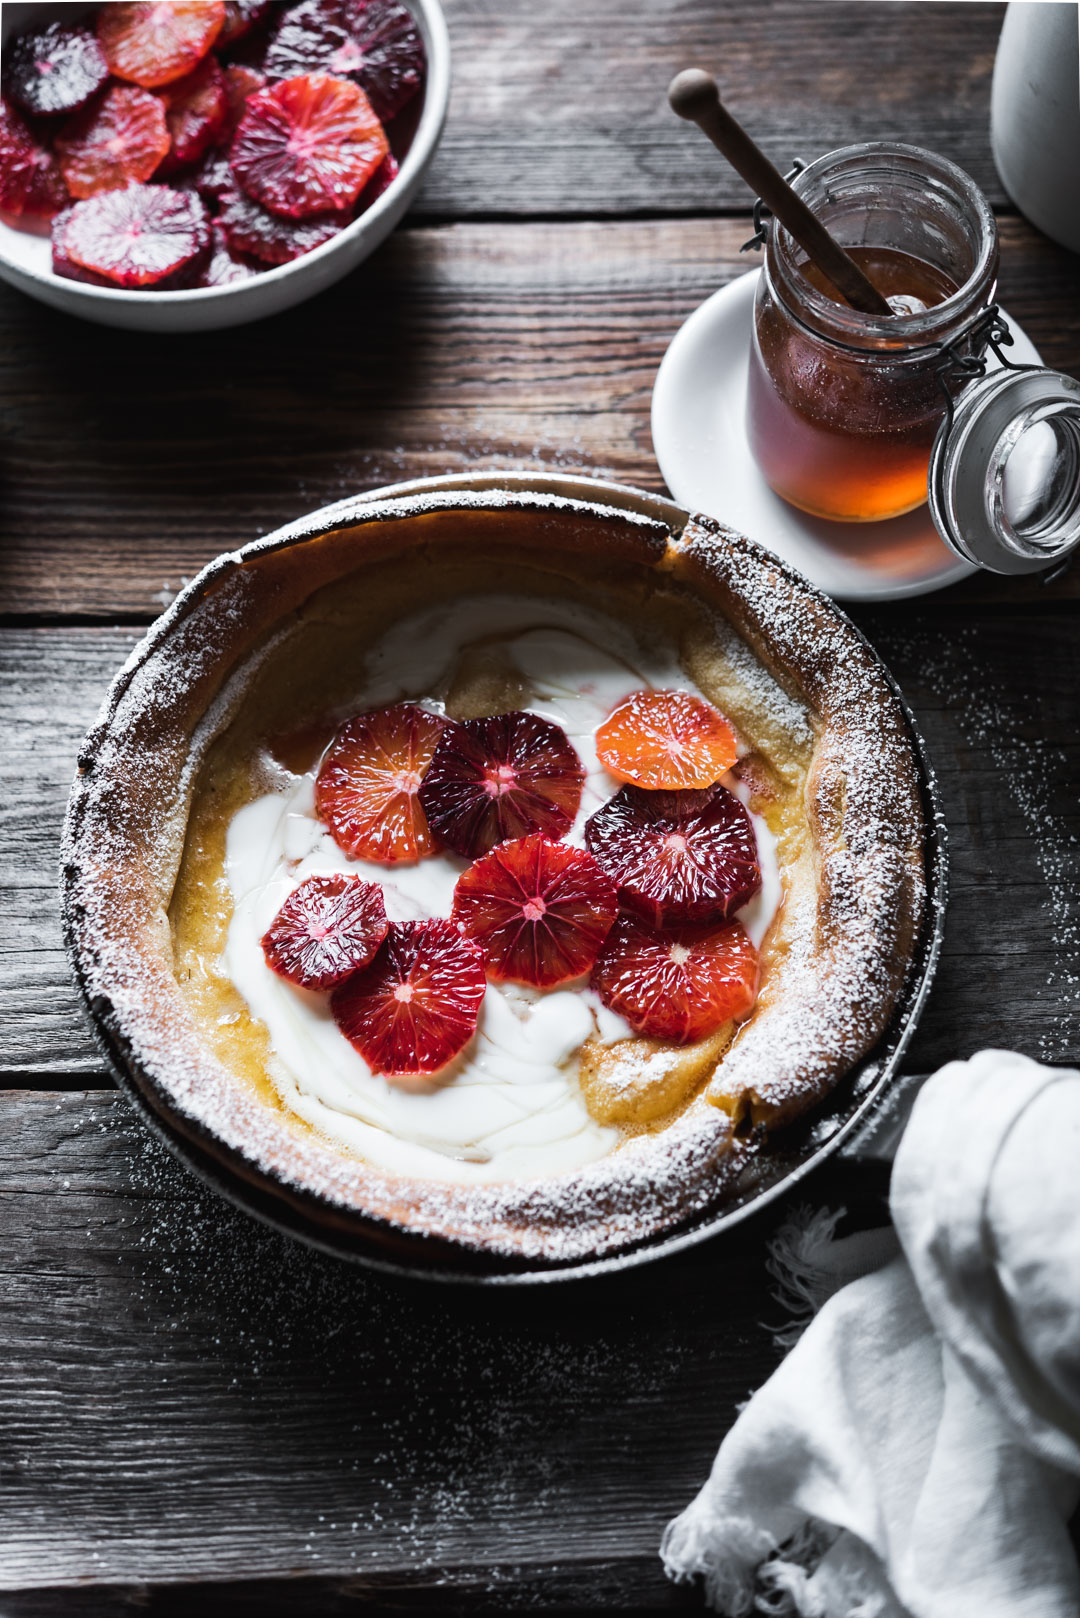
424, 142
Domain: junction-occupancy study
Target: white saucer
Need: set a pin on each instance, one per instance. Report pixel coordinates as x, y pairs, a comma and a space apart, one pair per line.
698, 408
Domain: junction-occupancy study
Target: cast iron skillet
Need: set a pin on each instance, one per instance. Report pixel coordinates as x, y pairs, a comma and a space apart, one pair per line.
791, 1154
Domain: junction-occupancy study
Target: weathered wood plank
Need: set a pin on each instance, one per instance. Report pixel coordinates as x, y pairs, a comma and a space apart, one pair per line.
630, 1585
562, 108
469, 347
1001, 730
189, 1395
51, 686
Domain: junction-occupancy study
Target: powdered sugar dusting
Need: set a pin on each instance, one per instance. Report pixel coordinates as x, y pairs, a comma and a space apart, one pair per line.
121, 851
852, 940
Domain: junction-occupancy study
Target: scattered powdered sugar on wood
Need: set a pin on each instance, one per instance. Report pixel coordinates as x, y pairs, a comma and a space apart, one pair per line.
1040, 779
438, 1408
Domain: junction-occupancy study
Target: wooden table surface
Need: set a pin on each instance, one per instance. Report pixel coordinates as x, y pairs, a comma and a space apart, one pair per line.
185, 1395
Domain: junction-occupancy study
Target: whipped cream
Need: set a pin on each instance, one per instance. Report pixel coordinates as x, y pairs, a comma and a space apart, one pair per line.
510, 1106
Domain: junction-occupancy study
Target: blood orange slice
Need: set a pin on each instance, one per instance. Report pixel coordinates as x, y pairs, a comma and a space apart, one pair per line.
368, 787
507, 776
666, 740
375, 42
539, 910
32, 188
253, 229
414, 1008
308, 145
328, 927
115, 142
144, 236
677, 857
54, 69
677, 986
154, 43
197, 108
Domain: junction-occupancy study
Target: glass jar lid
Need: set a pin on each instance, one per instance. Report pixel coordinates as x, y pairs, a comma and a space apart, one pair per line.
1004, 477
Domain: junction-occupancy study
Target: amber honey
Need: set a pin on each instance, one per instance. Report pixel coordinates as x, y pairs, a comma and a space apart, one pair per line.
839, 438
843, 407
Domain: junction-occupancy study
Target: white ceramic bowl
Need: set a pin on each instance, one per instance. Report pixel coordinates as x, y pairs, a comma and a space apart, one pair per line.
25, 260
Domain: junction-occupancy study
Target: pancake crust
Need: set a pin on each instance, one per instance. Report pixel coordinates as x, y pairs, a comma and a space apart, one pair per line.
268, 646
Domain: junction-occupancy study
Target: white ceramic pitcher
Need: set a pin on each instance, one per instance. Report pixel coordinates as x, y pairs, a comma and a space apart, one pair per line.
1035, 114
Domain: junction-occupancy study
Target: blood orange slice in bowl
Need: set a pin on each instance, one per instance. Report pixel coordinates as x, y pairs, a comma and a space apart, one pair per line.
415, 1007
368, 786
677, 857
678, 986
308, 145
666, 740
539, 910
493, 779
154, 43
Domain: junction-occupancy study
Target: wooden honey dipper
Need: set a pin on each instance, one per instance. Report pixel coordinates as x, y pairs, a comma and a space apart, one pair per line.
694, 95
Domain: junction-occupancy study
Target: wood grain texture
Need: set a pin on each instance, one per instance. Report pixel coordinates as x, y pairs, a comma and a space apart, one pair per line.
1007, 756
188, 1395
185, 1395
461, 348
562, 108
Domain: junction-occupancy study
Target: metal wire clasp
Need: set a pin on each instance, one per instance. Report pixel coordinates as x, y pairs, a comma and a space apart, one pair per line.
965, 358
762, 215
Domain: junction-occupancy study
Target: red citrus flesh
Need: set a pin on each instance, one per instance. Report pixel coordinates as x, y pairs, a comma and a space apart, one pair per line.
253, 229
374, 42
32, 188
153, 44
240, 83
144, 236
53, 69
224, 267
392, 52
196, 110
328, 927
677, 857
308, 146
415, 1007
212, 178
666, 740
384, 177
507, 776
310, 39
116, 142
539, 910
240, 18
679, 986
368, 786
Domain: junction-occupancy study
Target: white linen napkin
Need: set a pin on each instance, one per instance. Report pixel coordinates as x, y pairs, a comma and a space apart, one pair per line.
917, 1454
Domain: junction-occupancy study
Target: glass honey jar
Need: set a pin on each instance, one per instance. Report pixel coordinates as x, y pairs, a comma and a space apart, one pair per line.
843, 407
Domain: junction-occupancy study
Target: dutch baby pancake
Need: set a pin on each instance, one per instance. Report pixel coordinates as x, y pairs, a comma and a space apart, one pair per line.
492, 873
